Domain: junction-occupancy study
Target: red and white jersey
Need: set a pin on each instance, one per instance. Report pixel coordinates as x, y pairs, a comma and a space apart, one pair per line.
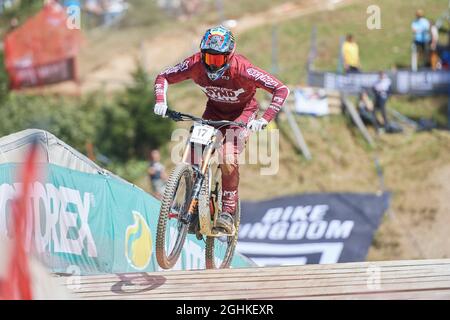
232, 97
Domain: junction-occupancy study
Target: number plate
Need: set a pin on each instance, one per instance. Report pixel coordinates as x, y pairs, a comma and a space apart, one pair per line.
202, 134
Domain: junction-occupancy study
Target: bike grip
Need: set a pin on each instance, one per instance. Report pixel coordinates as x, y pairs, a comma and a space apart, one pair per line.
174, 115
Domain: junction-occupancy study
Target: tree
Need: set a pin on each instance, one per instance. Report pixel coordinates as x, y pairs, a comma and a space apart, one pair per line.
3, 79
131, 128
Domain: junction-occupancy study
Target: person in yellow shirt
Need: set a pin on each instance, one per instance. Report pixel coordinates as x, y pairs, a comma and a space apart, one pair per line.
350, 53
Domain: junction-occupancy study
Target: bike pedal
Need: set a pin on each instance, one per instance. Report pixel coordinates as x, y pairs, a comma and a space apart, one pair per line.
199, 236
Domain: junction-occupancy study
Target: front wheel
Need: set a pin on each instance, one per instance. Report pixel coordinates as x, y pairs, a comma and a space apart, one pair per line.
219, 251
171, 231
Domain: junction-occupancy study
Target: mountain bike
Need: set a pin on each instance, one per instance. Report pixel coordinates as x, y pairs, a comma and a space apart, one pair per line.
192, 199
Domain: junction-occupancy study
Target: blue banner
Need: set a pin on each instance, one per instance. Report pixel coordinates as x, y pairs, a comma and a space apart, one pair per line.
310, 228
92, 223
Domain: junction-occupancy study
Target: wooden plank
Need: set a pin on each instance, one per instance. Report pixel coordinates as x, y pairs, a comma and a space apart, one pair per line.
274, 293
310, 283
278, 273
396, 295
271, 288
142, 281
416, 279
306, 269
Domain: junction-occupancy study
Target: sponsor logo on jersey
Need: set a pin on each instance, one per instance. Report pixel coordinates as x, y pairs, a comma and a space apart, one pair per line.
278, 100
229, 193
159, 89
223, 94
274, 107
182, 66
268, 81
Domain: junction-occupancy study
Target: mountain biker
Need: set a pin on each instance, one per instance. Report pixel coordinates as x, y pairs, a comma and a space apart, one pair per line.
229, 81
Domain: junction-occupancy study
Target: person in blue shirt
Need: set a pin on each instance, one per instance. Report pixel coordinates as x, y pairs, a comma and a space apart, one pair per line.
70, 3
422, 37
381, 91
157, 174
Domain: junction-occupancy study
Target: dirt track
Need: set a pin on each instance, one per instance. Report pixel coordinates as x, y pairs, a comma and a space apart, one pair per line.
165, 49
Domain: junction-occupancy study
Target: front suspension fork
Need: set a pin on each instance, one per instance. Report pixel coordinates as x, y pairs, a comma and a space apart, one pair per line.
190, 215
200, 176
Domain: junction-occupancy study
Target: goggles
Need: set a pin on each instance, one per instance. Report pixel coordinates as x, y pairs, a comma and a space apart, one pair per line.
217, 60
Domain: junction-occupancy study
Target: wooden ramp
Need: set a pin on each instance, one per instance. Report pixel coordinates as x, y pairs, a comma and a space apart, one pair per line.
408, 279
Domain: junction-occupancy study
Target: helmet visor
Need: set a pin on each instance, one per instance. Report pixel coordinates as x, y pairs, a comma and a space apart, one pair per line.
215, 60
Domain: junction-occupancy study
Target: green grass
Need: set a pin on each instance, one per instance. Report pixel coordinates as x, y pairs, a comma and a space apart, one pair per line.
434, 108
235, 9
379, 49
144, 12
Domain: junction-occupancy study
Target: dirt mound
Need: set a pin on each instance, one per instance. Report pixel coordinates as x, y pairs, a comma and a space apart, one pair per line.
418, 173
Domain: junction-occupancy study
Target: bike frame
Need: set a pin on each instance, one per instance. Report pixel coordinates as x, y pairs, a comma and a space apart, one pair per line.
206, 157
200, 172
203, 201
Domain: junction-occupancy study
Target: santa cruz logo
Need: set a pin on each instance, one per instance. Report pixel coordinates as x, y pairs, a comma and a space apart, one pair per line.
223, 94
258, 75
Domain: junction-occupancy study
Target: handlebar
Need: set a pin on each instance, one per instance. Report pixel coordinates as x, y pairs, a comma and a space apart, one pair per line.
178, 116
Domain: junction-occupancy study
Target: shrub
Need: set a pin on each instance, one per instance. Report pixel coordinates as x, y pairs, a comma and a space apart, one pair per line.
130, 128
122, 128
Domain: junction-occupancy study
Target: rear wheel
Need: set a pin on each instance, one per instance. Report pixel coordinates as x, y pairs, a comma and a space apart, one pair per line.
219, 251
171, 231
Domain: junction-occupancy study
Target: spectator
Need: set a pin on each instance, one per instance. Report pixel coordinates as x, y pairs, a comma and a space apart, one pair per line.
421, 29
70, 3
93, 6
157, 173
93, 12
365, 108
381, 90
434, 57
6, 4
350, 53
189, 8
113, 11
13, 24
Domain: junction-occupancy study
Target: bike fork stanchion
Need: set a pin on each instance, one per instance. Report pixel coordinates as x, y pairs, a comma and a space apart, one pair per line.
196, 192
199, 181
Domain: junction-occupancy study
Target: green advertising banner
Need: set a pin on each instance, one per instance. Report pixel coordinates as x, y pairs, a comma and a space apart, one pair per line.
93, 223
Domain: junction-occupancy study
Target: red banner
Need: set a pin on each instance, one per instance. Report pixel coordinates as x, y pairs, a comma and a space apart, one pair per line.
42, 75
43, 50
